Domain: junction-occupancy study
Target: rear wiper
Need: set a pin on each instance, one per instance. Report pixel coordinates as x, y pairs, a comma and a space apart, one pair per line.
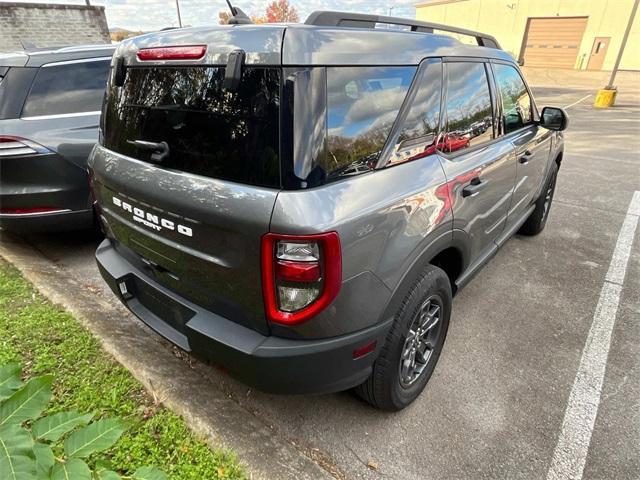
160, 149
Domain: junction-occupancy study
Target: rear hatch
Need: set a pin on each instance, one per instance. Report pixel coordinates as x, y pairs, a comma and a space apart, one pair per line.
194, 217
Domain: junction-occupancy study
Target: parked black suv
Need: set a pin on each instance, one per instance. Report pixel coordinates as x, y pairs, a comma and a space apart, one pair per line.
50, 103
300, 202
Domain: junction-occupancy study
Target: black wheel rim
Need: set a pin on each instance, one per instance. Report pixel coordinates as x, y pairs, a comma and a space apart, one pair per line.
421, 341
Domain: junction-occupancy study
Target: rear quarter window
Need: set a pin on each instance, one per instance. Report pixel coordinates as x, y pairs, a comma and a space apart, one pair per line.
14, 86
362, 105
75, 87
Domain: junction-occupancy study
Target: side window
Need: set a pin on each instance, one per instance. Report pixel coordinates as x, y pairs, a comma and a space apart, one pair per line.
362, 104
417, 139
69, 88
516, 102
468, 108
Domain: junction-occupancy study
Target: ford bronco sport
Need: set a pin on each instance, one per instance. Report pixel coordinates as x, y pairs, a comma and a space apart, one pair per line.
300, 203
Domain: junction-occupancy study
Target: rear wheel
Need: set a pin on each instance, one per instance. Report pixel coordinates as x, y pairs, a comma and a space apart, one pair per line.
538, 218
413, 344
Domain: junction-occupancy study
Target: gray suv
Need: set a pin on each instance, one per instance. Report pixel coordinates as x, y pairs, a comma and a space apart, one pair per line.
300, 203
50, 102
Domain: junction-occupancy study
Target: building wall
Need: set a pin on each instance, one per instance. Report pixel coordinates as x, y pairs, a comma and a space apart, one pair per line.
507, 21
50, 25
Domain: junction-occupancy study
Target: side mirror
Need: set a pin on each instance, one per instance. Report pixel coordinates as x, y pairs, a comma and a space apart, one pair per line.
554, 118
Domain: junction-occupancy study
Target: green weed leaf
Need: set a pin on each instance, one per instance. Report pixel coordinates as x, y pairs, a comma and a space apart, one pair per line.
149, 473
55, 426
9, 379
27, 403
74, 469
108, 475
44, 460
16, 450
93, 438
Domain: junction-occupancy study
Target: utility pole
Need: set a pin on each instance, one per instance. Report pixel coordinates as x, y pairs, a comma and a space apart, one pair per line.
178, 9
611, 86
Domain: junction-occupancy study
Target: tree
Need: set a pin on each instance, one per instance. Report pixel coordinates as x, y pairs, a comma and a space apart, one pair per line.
281, 11
223, 17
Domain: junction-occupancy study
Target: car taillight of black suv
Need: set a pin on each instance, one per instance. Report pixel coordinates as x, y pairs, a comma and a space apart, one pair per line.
300, 203
50, 101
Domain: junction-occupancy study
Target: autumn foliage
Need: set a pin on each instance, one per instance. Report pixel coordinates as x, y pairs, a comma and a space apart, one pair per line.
277, 11
281, 11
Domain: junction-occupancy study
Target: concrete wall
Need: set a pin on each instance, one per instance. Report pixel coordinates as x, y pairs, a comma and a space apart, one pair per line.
507, 21
50, 25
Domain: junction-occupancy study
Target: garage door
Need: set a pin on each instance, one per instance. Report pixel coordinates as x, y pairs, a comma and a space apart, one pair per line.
553, 42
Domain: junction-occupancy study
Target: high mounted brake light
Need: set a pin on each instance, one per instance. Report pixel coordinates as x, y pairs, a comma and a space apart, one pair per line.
301, 275
183, 52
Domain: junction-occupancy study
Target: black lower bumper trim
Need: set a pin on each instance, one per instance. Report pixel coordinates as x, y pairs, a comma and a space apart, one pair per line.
48, 222
269, 363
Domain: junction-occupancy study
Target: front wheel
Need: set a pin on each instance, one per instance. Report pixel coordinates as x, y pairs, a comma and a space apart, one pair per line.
538, 218
413, 344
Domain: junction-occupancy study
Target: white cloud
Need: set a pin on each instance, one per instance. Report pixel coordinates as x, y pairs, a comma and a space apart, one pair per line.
148, 15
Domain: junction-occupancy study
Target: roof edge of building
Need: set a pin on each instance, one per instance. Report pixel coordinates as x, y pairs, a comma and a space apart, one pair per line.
431, 3
50, 6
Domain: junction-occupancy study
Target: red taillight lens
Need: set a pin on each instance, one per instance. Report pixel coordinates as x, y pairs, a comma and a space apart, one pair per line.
298, 271
184, 52
29, 210
12, 146
301, 275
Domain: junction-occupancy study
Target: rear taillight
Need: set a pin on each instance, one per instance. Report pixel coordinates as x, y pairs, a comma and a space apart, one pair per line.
30, 210
301, 275
183, 52
11, 146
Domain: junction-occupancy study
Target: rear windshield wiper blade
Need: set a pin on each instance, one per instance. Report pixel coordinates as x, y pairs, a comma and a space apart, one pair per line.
160, 149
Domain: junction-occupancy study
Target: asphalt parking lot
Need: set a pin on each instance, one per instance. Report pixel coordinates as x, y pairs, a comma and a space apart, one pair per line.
496, 404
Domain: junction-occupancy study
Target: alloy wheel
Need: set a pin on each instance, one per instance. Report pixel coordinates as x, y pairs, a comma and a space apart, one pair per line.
421, 341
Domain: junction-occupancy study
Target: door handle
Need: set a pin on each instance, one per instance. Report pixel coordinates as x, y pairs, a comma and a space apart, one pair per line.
525, 157
473, 188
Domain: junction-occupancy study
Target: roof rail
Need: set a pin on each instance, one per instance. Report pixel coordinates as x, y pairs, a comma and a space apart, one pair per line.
91, 46
358, 20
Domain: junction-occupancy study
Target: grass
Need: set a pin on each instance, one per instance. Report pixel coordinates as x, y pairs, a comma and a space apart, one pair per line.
47, 339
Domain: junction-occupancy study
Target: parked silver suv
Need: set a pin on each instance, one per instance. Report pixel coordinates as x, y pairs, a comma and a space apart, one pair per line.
300, 203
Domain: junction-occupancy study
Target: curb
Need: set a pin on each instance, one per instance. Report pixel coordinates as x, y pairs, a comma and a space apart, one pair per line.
209, 411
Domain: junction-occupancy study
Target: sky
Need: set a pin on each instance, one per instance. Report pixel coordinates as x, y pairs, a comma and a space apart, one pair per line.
148, 15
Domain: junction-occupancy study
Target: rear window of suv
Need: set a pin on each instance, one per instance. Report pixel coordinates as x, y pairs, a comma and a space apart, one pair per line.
210, 131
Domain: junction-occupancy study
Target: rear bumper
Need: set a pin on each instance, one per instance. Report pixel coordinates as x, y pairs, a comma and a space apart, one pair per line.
47, 222
269, 363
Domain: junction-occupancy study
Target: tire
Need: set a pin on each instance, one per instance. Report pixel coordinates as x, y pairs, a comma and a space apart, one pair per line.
538, 218
389, 386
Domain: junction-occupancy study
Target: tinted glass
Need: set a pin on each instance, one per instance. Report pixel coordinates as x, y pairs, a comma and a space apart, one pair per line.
70, 88
209, 131
14, 87
417, 138
516, 102
362, 104
469, 111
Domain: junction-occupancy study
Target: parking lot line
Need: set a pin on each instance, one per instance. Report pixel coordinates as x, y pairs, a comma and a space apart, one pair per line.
577, 101
570, 454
